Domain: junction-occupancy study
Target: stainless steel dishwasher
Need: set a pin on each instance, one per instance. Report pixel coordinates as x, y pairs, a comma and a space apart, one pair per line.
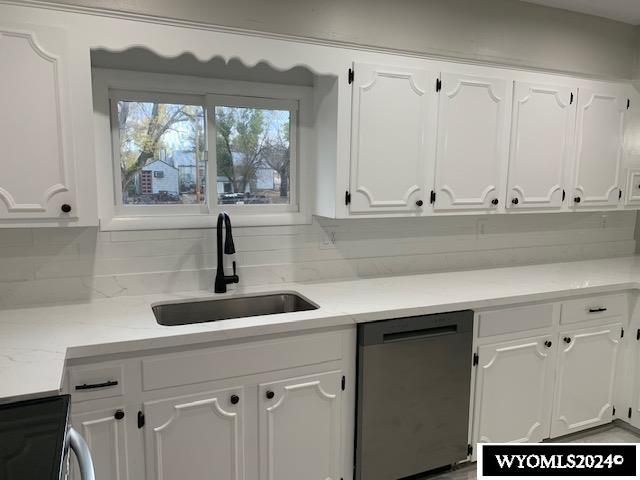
413, 394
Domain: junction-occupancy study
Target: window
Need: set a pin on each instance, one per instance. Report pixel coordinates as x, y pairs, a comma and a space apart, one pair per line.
180, 158
161, 158
255, 152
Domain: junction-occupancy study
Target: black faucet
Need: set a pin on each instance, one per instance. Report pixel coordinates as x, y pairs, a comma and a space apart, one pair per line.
222, 280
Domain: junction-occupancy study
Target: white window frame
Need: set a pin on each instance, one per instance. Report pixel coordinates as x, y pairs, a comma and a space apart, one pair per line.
112, 85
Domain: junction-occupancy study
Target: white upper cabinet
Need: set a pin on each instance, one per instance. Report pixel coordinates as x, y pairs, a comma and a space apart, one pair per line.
599, 141
392, 138
472, 143
541, 139
38, 172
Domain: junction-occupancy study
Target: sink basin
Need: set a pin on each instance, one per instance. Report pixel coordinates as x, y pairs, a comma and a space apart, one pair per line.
200, 311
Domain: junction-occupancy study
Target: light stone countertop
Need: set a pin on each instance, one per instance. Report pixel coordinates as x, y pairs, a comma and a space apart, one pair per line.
35, 341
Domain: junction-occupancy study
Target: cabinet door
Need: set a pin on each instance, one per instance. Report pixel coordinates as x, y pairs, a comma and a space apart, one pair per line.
600, 124
585, 378
472, 142
392, 138
105, 433
513, 391
37, 160
194, 437
300, 428
541, 138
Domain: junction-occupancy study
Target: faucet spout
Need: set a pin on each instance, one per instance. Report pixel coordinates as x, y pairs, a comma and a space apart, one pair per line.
222, 280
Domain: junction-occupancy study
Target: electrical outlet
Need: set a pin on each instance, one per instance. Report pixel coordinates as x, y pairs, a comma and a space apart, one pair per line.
603, 221
328, 239
481, 226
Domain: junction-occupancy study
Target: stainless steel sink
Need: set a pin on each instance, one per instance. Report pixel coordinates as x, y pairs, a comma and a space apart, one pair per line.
201, 311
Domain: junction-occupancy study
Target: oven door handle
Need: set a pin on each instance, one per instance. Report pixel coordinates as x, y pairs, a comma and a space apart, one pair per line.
83, 455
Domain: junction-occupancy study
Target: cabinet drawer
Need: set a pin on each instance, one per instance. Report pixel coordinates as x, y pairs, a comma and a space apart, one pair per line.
594, 308
517, 319
239, 360
93, 382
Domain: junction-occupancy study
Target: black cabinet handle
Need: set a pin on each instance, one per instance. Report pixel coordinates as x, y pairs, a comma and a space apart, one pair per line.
119, 415
66, 208
419, 203
597, 310
515, 201
91, 386
567, 340
235, 399
576, 199
270, 394
548, 344
495, 201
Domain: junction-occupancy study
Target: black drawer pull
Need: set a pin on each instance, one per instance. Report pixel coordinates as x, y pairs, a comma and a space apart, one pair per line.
597, 310
91, 386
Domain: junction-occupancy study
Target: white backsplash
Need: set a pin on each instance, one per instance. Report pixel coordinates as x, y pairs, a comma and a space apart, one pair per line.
76, 264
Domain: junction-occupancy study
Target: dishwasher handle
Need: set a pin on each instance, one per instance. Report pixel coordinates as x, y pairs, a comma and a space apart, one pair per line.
415, 328
419, 334
83, 455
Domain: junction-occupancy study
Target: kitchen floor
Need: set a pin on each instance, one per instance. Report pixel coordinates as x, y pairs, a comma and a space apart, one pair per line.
606, 434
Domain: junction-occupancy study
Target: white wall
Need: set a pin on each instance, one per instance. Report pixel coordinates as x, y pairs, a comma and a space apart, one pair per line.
74, 264
505, 31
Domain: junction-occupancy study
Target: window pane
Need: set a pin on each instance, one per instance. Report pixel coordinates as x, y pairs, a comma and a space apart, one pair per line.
253, 156
162, 159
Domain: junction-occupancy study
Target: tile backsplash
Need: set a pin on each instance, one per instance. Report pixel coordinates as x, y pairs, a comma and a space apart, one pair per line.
76, 264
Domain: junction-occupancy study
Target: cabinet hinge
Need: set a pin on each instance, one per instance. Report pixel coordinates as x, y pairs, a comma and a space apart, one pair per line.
351, 75
571, 99
140, 419
621, 332
628, 103
347, 197
629, 413
343, 383
469, 449
476, 358
564, 195
614, 410
432, 197
438, 85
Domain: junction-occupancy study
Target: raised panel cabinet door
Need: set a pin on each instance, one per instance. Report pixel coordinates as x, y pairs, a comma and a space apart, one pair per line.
195, 437
36, 161
542, 130
392, 138
599, 140
300, 428
513, 391
105, 434
472, 143
585, 378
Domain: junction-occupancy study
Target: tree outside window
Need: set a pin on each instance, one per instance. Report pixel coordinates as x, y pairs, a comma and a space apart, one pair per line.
162, 149
253, 155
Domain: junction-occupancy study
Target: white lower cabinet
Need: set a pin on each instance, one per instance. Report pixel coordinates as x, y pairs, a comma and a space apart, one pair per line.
263, 409
193, 437
513, 386
585, 378
106, 434
299, 428
552, 381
